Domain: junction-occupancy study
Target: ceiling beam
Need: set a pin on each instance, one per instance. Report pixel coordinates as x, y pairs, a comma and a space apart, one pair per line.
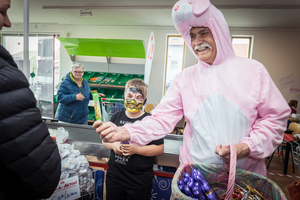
171, 6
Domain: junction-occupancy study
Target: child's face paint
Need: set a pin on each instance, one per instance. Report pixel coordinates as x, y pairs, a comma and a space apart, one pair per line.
134, 100
134, 93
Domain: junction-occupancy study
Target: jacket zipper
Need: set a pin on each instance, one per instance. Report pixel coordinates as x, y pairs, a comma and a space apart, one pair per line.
70, 116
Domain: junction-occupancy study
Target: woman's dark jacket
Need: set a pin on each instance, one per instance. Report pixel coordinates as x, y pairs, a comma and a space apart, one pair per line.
30, 164
70, 109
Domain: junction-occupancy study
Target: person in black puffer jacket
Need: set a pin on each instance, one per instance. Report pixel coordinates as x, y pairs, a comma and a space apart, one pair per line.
30, 164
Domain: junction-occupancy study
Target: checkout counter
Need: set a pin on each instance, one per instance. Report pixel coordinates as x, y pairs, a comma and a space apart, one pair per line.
88, 142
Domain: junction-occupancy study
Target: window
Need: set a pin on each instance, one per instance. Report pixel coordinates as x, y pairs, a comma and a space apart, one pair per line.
242, 46
174, 58
44, 75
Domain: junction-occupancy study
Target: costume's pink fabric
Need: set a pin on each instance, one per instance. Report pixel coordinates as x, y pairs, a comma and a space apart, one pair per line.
233, 100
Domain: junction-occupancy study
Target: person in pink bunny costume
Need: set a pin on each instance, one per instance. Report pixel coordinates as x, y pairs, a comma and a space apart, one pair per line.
224, 99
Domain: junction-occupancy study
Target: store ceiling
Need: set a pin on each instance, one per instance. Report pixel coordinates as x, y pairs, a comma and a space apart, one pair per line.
238, 13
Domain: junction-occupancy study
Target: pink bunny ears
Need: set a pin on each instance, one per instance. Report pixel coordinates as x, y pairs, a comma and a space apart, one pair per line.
187, 13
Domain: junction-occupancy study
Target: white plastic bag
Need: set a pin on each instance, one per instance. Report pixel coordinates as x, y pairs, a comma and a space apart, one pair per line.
104, 113
62, 135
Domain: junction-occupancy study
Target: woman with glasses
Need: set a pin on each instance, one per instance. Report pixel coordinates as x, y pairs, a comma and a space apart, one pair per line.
73, 95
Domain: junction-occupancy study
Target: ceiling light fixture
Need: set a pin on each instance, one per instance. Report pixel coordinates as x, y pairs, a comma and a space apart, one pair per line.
86, 13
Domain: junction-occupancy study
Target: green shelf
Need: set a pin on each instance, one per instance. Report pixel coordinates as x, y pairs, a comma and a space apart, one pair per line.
91, 113
140, 76
87, 75
110, 79
97, 78
123, 48
122, 79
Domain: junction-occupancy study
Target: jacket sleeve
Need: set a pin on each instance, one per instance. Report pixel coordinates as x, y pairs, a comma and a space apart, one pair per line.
64, 95
271, 123
35, 149
29, 156
163, 120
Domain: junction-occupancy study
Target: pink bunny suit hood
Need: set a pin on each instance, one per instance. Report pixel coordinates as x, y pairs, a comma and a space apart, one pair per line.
233, 100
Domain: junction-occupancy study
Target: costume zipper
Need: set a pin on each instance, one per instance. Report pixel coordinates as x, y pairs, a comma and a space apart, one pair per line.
215, 102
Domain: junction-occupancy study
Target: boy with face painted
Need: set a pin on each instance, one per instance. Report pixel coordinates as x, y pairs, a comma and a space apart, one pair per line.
130, 171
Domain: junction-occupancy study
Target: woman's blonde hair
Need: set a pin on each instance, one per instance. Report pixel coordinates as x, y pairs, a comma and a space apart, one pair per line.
139, 84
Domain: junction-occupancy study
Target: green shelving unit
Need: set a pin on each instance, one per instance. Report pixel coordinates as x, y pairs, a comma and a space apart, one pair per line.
140, 76
97, 78
91, 113
122, 48
122, 79
87, 75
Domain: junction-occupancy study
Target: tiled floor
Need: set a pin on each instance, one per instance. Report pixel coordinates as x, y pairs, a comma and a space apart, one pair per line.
276, 167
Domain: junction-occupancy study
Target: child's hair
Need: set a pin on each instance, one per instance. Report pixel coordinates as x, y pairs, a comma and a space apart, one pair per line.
293, 103
139, 84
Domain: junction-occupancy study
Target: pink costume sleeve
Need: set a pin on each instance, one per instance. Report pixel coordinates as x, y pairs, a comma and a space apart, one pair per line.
162, 122
268, 129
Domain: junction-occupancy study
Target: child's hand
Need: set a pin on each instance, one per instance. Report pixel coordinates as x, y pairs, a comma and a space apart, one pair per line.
128, 149
117, 148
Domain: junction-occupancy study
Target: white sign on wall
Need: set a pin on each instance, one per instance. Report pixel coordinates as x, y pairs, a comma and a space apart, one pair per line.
149, 57
67, 189
287, 81
294, 89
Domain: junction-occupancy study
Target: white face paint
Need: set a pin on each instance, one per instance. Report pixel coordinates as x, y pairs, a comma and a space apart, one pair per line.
134, 93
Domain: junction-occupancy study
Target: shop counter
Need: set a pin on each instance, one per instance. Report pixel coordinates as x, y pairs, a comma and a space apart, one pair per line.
88, 142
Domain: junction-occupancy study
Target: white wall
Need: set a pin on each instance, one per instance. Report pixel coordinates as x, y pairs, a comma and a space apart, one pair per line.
277, 49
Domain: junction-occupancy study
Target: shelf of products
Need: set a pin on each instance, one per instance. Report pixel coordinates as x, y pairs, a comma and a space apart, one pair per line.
109, 80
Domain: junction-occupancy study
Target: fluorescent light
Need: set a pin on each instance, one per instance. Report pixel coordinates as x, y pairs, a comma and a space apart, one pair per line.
86, 13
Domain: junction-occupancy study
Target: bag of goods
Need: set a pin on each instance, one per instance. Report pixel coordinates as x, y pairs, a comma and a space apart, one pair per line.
75, 164
210, 181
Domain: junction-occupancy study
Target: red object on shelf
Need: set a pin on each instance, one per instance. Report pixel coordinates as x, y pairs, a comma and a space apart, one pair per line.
288, 137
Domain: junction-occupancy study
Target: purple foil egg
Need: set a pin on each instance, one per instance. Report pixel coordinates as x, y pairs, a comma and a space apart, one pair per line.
181, 188
191, 182
185, 180
198, 193
187, 191
180, 182
186, 175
